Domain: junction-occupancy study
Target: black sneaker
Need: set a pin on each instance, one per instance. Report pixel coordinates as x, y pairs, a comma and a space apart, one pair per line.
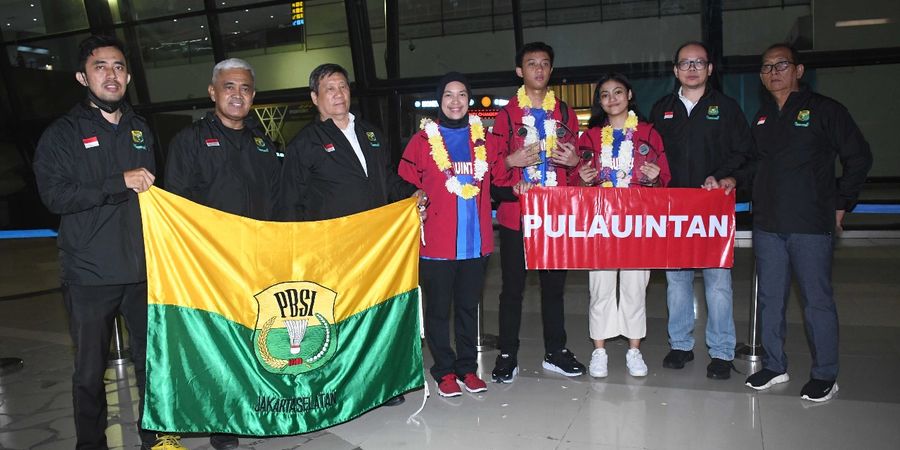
719, 369
819, 390
505, 369
223, 441
676, 359
765, 379
564, 362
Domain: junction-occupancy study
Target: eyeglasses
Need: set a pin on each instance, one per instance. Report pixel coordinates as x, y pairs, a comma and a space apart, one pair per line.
780, 66
687, 64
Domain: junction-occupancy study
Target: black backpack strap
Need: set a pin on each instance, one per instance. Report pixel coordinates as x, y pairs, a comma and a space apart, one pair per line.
564, 110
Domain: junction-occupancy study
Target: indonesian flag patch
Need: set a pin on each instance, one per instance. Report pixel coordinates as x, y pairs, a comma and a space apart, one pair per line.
91, 142
668, 115
762, 120
212, 142
329, 148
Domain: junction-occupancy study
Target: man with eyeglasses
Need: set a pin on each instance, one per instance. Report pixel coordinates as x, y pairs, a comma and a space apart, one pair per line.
535, 134
707, 142
798, 205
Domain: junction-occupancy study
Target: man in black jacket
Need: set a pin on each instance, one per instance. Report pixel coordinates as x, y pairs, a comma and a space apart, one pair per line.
226, 161
339, 164
797, 207
89, 166
707, 141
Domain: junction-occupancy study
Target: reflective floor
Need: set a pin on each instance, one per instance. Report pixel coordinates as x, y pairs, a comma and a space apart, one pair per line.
668, 409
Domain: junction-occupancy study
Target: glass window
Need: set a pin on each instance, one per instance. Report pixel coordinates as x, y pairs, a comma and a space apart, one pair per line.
23, 19
847, 25
282, 53
437, 36
749, 31
177, 56
128, 10
870, 93
47, 54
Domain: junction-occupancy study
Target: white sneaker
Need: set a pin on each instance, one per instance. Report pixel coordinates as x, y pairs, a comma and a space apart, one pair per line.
598, 363
635, 362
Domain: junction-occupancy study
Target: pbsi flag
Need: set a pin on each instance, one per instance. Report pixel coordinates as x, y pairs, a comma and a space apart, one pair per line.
266, 328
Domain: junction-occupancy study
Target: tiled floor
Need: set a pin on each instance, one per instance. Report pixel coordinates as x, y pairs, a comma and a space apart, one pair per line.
668, 409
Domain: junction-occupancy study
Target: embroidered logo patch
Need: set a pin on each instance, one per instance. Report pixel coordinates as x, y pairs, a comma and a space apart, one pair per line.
668, 115
212, 142
802, 118
329, 148
761, 120
712, 113
261, 144
373, 141
295, 331
91, 142
137, 140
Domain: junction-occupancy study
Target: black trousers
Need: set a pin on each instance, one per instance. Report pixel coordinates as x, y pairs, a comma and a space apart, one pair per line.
553, 283
458, 285
92, 310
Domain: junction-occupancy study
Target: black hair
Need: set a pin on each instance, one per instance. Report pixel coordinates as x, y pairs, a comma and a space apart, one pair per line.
701, 44
86, 48
795, 55
324, 71
598, 115
532, 47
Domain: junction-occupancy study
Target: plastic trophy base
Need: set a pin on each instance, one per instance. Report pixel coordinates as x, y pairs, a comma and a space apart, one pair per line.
10, 365
487, 343
752, 353
119, 359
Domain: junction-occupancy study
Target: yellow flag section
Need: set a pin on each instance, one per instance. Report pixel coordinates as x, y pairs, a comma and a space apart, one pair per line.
269, 328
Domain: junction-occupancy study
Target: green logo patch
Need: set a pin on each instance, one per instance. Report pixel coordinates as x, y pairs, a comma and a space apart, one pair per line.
137, 140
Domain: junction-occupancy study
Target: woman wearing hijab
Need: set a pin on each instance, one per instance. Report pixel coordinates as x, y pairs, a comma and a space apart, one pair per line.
452, 160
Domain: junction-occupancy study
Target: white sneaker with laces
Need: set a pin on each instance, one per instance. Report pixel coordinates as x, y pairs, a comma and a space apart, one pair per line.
635, 362
598, 363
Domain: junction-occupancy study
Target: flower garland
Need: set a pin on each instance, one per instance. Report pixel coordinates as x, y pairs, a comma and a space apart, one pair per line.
531, 136
442, 158
618, 159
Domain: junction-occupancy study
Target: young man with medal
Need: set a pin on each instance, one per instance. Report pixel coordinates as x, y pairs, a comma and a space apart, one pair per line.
536, 134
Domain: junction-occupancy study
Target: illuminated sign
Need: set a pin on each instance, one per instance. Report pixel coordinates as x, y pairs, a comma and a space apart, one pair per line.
298, 17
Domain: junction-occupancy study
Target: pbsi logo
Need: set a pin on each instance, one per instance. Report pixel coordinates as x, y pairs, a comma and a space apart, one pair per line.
295, 330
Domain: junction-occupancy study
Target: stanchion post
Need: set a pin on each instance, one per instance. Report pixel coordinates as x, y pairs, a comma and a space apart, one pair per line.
483, 342
119, 354
752, 351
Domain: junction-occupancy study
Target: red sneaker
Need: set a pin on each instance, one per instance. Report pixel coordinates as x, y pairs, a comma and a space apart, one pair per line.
472, 383
447, 387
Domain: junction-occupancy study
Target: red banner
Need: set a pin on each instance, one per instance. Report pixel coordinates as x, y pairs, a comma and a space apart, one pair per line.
635, 228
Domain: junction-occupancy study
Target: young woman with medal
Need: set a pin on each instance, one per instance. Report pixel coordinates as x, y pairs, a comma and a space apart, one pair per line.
619, 150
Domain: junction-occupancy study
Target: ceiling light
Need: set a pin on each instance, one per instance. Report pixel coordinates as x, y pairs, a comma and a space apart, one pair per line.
862, 22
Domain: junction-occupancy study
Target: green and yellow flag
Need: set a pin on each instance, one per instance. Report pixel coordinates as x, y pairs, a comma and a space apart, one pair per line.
267, 328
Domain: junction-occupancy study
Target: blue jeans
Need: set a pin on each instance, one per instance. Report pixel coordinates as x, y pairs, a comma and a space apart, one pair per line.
808, 257
720, 338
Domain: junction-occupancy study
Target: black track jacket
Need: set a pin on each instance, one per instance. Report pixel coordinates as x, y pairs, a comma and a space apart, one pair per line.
323, 178
79, 165
235, 171
795, 189
714, 140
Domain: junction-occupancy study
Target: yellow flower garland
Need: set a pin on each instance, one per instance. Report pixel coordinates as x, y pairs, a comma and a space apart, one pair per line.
548, 105
442, 159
